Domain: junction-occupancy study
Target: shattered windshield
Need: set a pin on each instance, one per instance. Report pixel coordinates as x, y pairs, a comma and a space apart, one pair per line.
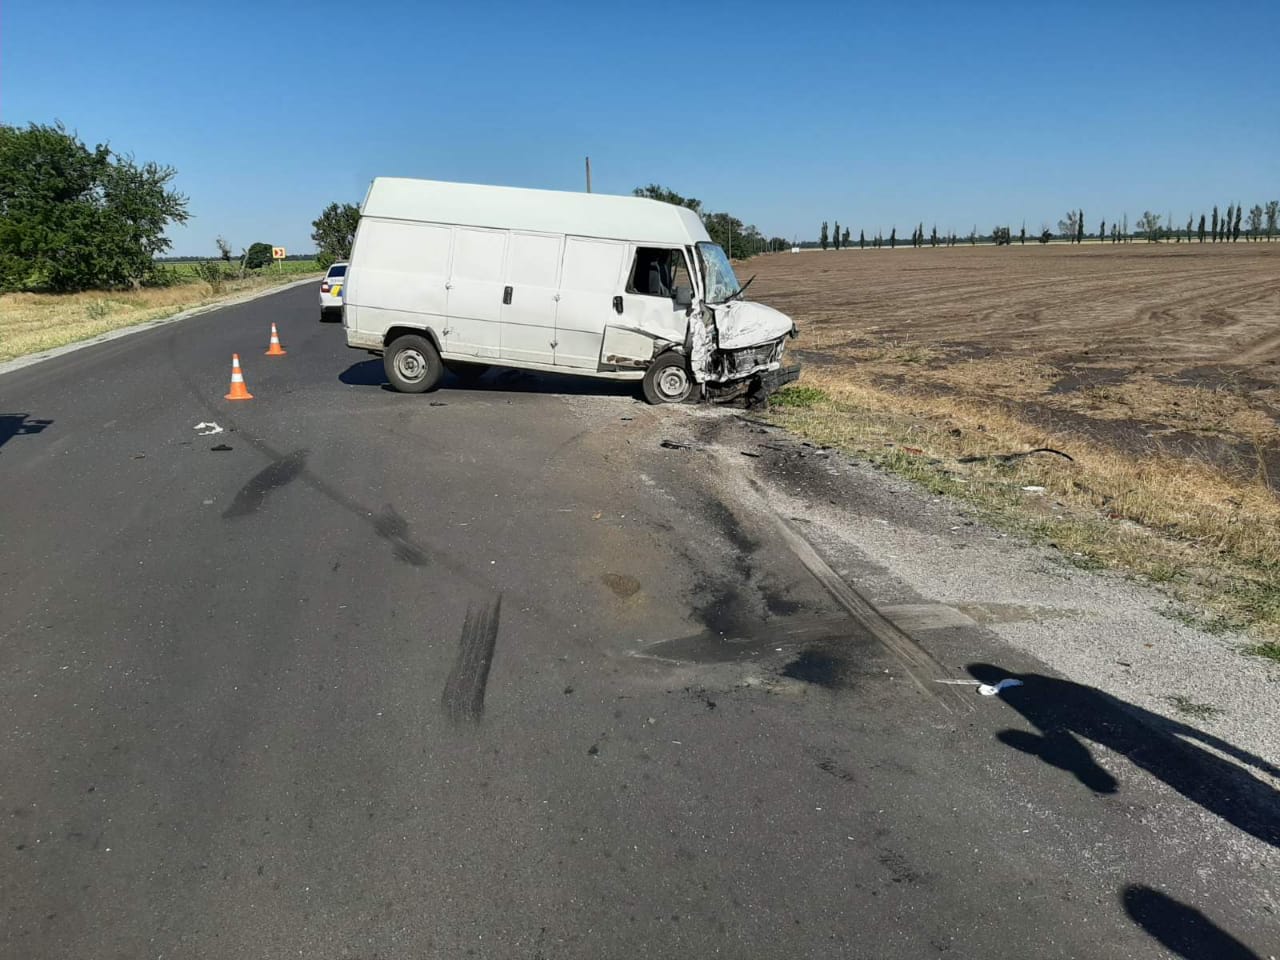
721, 282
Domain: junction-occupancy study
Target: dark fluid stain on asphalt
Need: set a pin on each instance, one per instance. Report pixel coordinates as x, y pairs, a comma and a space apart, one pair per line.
393, 528
817, 667
724, 521
273, 476
622, 585
464, 690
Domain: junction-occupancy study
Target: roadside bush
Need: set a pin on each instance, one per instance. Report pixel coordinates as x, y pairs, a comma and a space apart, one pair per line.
213, 273
258, 256
797, 397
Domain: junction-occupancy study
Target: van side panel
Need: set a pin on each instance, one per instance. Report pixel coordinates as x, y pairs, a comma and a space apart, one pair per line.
475, 292
533, 274
589, 280
398, 269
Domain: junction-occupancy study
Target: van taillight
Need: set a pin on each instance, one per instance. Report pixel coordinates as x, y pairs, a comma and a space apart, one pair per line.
324, 287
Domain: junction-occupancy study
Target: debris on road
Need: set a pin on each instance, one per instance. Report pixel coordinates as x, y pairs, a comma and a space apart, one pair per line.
1006, 457
748, 453
220, 448
675, 445
1033, 489
203, 429
989, 690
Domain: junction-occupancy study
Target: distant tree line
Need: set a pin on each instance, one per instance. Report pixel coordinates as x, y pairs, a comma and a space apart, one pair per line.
1255, 225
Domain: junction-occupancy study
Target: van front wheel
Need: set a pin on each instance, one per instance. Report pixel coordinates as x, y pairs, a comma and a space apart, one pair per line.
668, 380
412, 364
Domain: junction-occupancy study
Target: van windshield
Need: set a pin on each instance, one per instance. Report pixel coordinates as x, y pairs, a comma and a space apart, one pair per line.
721, 281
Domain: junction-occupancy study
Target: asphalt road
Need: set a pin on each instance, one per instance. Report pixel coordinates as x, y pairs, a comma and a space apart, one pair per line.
366, 684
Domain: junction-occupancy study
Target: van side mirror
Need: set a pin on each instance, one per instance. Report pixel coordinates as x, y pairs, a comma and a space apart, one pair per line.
684, 296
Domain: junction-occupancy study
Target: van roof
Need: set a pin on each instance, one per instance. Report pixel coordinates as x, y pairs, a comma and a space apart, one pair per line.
637, 219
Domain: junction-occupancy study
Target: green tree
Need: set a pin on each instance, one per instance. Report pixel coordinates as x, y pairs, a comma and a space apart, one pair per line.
844, 241
1149, 223
835, 235
334, 231
1190, 221
72, 218
727, 231
1080, 227
823, 239
258, 255
1235, 230
893, 238
1214, 232
933, 236
1102, 230
1022, 234
655, 192
1255, 221
862, 239
1226, 224
1200, 232
1273, 211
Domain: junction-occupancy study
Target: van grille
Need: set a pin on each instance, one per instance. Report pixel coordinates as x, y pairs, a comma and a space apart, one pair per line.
741, 363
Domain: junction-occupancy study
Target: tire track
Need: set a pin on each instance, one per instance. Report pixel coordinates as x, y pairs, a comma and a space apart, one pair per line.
463, 698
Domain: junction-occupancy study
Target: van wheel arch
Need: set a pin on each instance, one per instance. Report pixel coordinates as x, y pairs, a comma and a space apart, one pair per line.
395, 332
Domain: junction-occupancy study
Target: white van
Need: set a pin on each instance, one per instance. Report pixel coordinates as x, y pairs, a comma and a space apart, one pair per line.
464, 277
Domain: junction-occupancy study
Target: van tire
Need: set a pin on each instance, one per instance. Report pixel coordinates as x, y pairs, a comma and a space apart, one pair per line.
412, 364
668, 379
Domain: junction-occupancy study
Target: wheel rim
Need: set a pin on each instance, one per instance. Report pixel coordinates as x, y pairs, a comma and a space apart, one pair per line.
673, 383
411, 365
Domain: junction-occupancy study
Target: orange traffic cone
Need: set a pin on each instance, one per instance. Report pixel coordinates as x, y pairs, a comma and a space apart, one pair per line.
238, 390
275, 350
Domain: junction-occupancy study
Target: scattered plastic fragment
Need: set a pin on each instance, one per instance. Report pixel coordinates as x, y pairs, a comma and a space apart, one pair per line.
987, 690
1033, 489
675, 445
220, 448
962, 683
203, 429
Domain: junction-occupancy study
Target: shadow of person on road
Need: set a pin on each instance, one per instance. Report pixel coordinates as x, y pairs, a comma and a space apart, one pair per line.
1174, 752
370, 373
19, 425
1182, 929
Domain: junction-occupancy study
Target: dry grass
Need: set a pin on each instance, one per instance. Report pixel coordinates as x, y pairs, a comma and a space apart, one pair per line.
1209, 537
32, 322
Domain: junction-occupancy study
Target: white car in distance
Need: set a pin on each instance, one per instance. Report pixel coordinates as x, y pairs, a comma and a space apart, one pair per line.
331, 291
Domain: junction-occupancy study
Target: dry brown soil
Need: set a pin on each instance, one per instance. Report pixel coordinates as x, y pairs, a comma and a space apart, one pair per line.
1148, 347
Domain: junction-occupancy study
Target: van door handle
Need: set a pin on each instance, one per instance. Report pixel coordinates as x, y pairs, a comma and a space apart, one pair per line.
617, 305
506, 295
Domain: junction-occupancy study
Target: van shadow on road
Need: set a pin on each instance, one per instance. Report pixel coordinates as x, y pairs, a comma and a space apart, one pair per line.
369, 373
19, 424
1064, 712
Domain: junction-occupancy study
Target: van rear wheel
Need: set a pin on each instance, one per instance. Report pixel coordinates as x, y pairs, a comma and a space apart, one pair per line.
668, 380
412, 364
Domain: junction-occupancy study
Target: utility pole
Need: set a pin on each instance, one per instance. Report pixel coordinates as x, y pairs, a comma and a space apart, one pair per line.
588, 174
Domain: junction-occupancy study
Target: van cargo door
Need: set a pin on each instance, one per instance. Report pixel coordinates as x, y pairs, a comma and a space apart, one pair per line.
475, 292
590, 279
529, 297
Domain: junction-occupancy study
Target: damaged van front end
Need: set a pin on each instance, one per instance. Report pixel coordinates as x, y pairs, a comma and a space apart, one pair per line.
736, 346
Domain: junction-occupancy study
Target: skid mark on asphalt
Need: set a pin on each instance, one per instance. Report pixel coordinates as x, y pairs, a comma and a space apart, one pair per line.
393, 528
279, 473
464, 690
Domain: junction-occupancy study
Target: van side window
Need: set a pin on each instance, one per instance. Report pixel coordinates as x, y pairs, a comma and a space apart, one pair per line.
657, 271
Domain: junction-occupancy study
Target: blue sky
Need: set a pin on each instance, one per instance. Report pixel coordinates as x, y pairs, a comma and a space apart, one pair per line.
785, 114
